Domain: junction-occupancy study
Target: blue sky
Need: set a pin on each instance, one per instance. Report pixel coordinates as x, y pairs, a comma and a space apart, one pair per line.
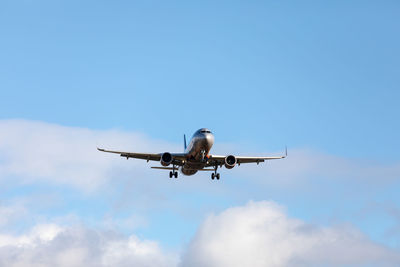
321, 78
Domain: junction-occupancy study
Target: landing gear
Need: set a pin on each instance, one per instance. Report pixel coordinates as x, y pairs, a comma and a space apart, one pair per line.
173, 174
215, 174
203, 156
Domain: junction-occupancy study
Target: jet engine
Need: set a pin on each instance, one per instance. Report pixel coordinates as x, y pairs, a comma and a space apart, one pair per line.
230, 162
166, 159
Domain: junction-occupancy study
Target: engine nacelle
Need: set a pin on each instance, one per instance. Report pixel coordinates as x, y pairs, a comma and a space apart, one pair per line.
230, 162
166, 159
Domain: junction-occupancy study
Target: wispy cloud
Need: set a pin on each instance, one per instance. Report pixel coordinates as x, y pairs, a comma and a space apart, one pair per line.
34, 151
305, 165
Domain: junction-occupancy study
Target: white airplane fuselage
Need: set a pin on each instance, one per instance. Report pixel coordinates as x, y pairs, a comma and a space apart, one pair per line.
197, 151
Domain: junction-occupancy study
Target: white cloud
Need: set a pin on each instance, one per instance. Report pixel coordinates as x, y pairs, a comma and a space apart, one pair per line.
53, 245
261, 234
304, 165
33, 151
258, 234
40, 233
11, 213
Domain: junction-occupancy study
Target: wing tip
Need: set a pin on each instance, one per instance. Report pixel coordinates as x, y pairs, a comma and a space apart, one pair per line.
100, 149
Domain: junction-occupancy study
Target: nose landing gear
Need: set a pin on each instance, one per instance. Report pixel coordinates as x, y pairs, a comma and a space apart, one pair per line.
203, 156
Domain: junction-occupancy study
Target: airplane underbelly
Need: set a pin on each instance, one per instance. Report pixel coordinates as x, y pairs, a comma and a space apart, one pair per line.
191, 168
188, 171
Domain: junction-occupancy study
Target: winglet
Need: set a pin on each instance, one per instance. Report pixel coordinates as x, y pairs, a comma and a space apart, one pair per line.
100, 149
285, 151
184, 141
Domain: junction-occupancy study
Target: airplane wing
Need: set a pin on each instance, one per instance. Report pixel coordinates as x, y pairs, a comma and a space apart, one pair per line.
178, 157
220, 160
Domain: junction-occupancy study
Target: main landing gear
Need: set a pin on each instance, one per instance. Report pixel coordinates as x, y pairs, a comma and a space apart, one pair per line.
173, 174
215, 174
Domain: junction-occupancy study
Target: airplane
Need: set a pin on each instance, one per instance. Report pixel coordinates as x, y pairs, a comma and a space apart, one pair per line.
195, 157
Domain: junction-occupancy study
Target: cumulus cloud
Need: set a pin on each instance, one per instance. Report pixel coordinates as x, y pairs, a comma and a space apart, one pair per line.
53, 245
261, 234
256, 234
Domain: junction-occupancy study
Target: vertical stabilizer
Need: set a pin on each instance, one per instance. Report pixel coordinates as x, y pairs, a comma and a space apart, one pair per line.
184, 141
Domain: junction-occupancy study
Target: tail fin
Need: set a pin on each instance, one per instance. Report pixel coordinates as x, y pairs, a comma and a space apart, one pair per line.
184, 141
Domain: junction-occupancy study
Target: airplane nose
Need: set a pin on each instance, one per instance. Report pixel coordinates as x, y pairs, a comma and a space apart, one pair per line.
210, 139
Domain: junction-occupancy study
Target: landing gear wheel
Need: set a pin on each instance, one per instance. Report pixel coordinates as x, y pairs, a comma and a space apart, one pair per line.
170, 174
217, 175
176, 174
212, 176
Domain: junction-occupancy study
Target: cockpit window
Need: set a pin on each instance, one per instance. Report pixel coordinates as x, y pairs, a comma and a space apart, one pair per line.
205, 131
